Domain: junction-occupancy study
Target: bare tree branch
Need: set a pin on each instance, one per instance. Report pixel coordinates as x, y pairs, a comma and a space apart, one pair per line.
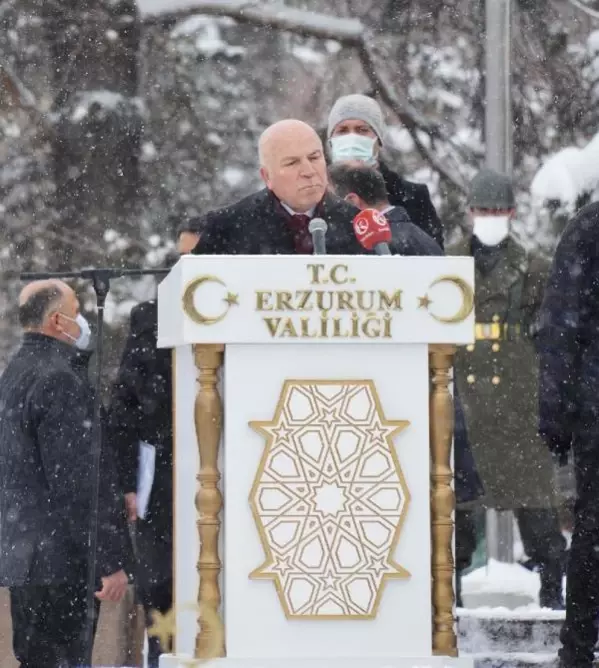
349, 32
409, 116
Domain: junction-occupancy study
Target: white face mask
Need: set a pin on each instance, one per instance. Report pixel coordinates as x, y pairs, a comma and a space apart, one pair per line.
353, 147
491, 230
85, 332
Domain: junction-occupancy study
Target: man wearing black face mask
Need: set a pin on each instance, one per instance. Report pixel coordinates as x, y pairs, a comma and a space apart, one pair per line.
497, 379
46, 415
141, 417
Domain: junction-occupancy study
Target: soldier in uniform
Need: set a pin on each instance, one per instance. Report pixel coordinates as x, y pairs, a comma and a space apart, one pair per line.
497, 380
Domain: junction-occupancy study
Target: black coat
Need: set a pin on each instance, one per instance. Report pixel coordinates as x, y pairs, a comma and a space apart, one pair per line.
46, 413
568, 338
141, 410
416, 200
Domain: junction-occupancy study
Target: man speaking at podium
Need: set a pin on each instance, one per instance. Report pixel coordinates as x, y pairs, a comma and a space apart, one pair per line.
276, 219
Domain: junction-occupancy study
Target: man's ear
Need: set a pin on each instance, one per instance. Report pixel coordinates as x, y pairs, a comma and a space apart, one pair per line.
264, 176
352, 198
54, 321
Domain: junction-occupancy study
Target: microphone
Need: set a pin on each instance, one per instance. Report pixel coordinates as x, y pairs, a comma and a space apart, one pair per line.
372, 231
318, 229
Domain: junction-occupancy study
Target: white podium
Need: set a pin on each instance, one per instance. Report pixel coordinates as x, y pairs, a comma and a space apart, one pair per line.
312, 459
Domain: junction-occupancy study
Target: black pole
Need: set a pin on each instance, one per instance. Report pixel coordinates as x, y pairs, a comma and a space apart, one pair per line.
90, 274
100, 279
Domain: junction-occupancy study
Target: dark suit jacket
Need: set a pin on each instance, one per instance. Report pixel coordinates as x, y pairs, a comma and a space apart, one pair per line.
416, 200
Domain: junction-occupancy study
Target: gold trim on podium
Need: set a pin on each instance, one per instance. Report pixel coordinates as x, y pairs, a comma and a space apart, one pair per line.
442, 500
208, 416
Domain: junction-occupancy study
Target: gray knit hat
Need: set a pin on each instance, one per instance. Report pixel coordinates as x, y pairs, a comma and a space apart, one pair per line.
358, 107
491, 190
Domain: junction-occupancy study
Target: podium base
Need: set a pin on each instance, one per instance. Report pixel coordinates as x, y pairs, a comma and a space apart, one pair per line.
182, 661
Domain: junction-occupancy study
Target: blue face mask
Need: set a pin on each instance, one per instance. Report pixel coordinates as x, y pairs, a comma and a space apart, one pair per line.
353, 147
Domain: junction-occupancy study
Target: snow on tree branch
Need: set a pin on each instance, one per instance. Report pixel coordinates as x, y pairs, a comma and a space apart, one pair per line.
309, 24
349, 32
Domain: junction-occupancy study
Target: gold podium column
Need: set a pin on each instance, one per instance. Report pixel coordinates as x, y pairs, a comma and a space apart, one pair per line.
208, 423
442, 500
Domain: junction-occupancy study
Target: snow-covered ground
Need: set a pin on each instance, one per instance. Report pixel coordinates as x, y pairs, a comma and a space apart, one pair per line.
502, 590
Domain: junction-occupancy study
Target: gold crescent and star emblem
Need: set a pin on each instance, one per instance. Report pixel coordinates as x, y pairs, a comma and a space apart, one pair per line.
191, 309
466, 307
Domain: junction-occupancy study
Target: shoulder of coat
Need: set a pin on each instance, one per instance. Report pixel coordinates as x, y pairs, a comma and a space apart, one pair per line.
461, 247
538, 264
228, 215
253, 201
529, 262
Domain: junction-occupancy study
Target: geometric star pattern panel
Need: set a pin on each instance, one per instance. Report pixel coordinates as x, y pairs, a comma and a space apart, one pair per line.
329, 499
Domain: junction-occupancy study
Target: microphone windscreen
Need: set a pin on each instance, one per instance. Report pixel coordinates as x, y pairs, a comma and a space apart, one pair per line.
317, 225
371, 228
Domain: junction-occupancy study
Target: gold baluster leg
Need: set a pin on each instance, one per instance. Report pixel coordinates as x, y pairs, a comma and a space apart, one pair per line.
209, 502
442, 501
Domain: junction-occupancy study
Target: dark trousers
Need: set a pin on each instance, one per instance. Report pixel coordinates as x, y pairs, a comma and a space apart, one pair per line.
49, 625
579, 633
540, 530
154, 577
542, 540
156, 597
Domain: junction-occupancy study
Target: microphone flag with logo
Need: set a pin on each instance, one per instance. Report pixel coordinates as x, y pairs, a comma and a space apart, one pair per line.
372, 231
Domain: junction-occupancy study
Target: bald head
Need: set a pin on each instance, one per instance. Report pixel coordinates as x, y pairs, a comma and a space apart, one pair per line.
49, 307
37, 299
49, 285
292, 164
274, 139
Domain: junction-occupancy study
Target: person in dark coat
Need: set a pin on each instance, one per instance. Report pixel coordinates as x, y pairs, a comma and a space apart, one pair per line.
568, 346
356, 131
275, 220
46, 416
141, 412
497, 380
364, 187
